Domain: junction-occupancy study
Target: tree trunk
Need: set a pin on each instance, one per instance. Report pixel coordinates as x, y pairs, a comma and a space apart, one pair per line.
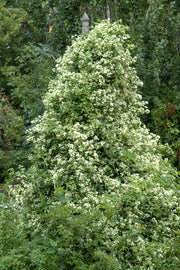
108, 10
115, 10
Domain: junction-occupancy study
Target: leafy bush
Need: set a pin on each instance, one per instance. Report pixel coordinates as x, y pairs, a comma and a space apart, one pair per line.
11, 136
99, 194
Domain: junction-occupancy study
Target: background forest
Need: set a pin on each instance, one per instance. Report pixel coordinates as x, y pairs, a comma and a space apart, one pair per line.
89, 135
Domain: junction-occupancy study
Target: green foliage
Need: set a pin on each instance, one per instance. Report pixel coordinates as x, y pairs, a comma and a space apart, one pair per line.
158, 67
24, 67
11, 135
25, 71
53, 22
98, 194
28, 79
159, 59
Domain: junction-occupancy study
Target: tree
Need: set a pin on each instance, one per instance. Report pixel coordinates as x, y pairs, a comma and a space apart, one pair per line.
158, 67
99, 194
25, 70
53, 22
11, 123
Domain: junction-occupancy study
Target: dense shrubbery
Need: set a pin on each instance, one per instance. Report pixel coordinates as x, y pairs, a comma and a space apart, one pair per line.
99, 194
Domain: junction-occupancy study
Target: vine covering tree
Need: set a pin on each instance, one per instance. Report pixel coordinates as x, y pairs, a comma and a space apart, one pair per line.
99, 194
